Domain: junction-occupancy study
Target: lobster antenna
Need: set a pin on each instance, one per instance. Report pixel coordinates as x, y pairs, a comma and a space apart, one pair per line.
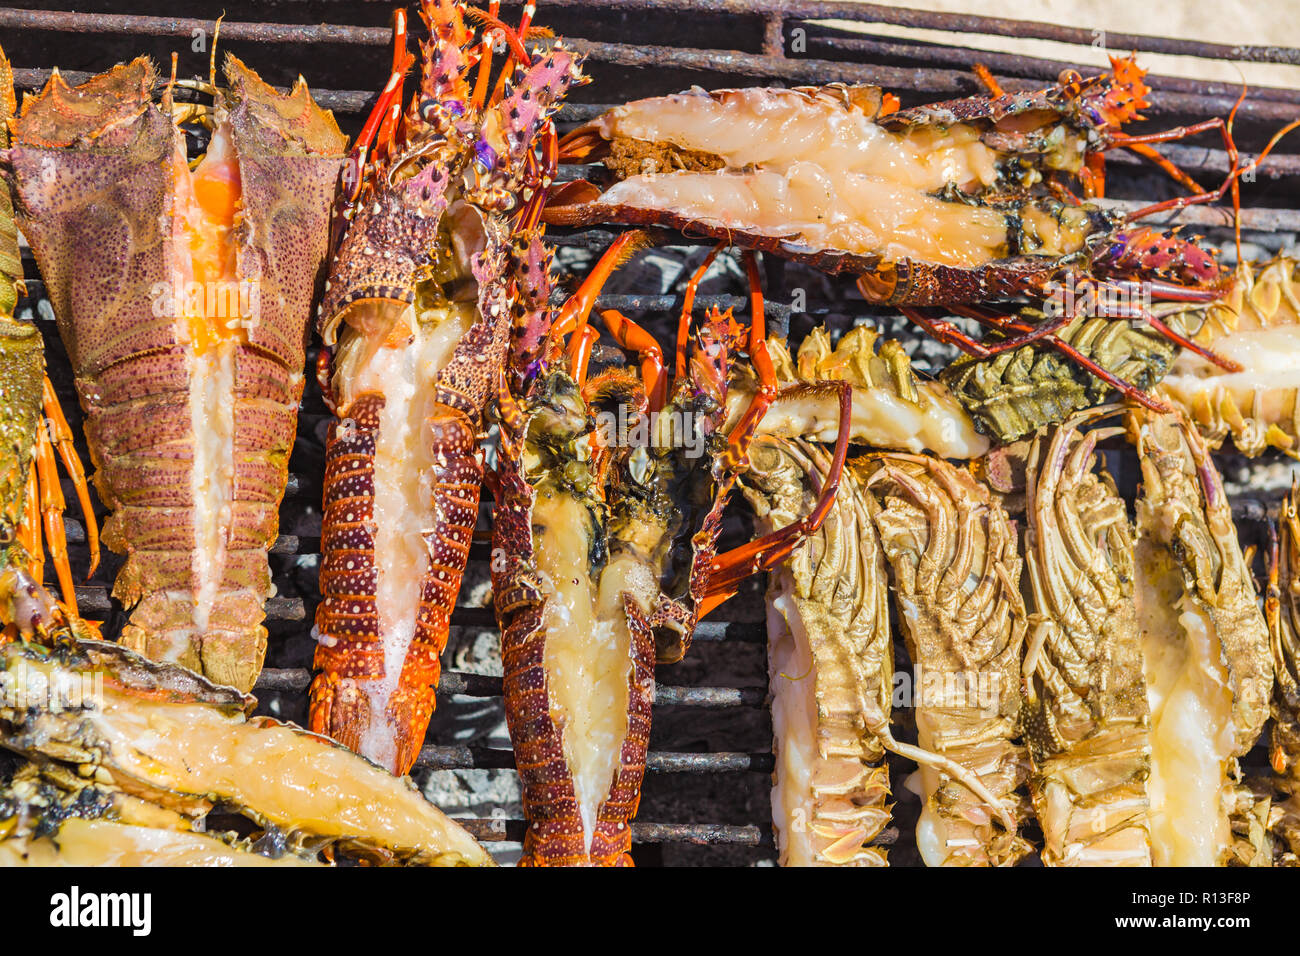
212, 55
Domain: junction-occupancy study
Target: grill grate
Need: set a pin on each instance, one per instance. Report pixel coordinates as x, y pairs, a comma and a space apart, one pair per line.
710, 757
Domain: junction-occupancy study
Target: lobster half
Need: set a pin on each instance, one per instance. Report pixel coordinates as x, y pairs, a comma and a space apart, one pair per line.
937, 206
416, 322
609, 503
183, 297
31, 501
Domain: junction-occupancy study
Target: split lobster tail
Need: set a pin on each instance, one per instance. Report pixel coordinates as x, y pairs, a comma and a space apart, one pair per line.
416, 321
183, 297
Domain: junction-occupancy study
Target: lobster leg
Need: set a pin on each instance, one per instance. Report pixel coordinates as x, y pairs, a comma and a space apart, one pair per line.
29, 532
736, 456
1200, 196
52, 505
1107, 310
1093, 175
486, 47
985, 76
391, 95
688, 305
574, 313
729, 569
1042, 330
61, 435
580, 347
631, 336
947, 333
1141, 145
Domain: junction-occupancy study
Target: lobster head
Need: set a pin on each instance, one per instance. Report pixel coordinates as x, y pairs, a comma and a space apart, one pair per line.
95, 167
1148, 253
432, 204
1110, 100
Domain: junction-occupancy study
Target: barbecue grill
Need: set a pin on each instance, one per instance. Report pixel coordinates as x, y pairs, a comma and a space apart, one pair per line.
706, 795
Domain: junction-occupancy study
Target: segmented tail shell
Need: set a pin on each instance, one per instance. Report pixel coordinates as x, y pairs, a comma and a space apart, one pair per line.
1258, 325
1014, 393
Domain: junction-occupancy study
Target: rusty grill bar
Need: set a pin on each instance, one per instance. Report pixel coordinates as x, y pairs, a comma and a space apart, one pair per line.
641, 65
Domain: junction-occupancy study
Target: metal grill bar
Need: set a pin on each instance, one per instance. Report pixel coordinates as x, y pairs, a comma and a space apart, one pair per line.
770, 64
703, 834
479, 758
483, 685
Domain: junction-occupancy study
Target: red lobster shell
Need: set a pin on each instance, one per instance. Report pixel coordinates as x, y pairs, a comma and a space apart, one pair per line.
417, 314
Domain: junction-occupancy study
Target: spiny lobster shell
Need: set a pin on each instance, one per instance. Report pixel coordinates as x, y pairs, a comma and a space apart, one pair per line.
830, 652
95, 185
556, 834
431, 232
1086, 720
955, 566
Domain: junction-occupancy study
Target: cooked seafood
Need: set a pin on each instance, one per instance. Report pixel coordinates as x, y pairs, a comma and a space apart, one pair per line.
30, 497
164, 734
1085, 716
830, 657
183, 295
417, 315
1205, 644
608, 550
1014, 393
928, 207
1283, 614
1257, 325
953, 555
57, 819
892, 406
841, 176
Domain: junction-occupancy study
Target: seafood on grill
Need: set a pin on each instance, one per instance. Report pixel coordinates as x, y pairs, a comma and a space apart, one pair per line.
1282, 611
1085, 718
893, 407
955, 564
31, 501
608, 547
51, 817
935, 206
1205, 643
841, 171
830, 659
182, 292
1257, 325
1013, 394
416, 322
143, 730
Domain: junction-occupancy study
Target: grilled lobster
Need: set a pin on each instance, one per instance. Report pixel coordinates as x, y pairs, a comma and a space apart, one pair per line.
1205, 643
30, 497
934, 206
416, 322
605, 548
165, 747
183, 297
